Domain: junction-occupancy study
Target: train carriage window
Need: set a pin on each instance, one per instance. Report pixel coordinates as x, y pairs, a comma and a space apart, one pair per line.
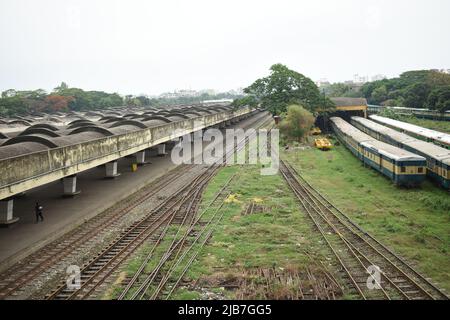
420, 170
402, 169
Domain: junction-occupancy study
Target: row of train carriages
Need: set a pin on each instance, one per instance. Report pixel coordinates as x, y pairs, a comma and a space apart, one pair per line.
405, 160
403, 167
437, 157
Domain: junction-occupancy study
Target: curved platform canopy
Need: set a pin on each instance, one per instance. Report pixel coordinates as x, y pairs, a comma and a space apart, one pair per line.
43, 126
178, 114
39, 131
80, 124
156, 117
93, 114
78, 121
54, 119
31, 138
92, 128
135, 123
110, 119
20, 122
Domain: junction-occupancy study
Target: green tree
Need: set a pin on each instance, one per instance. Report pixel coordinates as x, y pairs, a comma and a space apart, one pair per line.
284, 87
14, 105
338, 90
412, 89
380, 94
63, 86
245, 101
439, 99
297, 123
415, 95
9, 93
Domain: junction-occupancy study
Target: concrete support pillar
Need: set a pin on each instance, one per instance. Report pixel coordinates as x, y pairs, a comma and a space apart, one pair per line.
6, 212
161, 150
70, 186
140, 158
169, 146
199, 133
111, 170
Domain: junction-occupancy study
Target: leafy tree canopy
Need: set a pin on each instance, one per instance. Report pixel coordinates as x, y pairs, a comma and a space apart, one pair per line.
439, 99
284, 87
413, 89
297, 123
65, 98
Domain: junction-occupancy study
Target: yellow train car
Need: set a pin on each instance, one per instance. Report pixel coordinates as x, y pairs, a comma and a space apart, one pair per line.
315, 131
322, 144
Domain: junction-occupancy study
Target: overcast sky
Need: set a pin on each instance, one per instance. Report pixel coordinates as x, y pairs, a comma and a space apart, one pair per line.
131, 46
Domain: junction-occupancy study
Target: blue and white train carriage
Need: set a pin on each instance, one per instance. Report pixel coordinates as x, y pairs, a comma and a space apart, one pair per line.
438, 158
402, 167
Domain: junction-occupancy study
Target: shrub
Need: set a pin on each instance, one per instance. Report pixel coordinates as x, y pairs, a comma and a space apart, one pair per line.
297, 123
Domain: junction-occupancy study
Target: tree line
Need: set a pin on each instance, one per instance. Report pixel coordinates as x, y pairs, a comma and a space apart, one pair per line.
64, 98
413, 89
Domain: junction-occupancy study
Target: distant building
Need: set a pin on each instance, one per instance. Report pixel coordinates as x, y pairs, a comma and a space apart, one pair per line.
323, 83
378, 77
180, 94
360, 79
235, 92
217, 101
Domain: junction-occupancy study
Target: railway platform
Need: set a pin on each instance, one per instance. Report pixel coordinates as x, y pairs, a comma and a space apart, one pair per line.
62, 214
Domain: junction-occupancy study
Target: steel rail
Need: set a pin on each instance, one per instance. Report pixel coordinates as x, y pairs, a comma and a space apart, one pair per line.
167, 213
360, 240
438, 292
30, 271
147, 282
300, 198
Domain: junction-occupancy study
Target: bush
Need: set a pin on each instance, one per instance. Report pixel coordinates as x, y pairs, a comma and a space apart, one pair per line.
297, 123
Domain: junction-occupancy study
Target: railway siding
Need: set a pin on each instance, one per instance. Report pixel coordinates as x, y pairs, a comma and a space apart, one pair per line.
413, 222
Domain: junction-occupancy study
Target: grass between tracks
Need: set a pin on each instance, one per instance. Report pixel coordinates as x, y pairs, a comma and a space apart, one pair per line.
413, 222
276, 235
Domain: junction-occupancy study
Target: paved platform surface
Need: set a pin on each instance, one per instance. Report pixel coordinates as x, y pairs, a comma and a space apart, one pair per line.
63, 214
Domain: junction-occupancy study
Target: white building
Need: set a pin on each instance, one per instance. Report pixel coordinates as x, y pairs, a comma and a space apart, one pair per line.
360, 79
378, 77
323, 82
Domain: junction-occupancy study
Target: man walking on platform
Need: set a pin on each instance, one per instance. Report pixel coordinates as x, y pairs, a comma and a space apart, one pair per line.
38, 209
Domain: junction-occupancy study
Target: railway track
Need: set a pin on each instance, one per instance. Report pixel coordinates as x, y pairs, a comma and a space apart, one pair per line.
76, 243
13, 279
96, 271
152, 226
357, 251
180, 253
176, 255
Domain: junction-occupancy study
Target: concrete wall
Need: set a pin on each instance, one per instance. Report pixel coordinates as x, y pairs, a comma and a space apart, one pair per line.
28, 171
